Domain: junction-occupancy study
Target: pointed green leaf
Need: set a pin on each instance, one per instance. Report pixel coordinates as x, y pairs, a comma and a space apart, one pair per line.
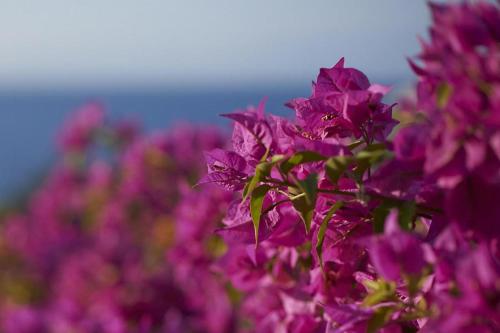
322, 229
310, 187
266, 167
368, 157
336, 166
379, 215
305, 211
262, 170
355, 144
376, 147
406, 214
256, 202
443, 94
372, 157
300, 158
277, 158
266, 154
306, 203
382, 291
252, 184
379, 319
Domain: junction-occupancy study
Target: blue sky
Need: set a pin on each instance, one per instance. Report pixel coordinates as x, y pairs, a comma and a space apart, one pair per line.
98, 43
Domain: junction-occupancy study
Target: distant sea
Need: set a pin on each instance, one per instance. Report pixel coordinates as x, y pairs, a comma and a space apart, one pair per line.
30, 121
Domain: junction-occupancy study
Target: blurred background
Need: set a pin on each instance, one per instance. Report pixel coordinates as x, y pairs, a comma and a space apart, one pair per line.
163, 62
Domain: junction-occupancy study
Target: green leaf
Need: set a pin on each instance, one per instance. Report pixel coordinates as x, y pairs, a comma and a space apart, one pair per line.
406, 214
252, 184
235, 296
277, 158
380, 291
355, 144
407, 211
372, 157
376, 147
266, 154
216, 246
443, 94
265, 167
379, 319
371, 284
368, 157
413, 284
336, 166
300, 158
322, 229
262, 170
310, 187
379, 215
256, 202
305, 211
306, 203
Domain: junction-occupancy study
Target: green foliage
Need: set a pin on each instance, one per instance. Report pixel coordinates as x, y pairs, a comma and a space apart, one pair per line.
379, 215
300, 158
380, 291
406, 214
379, 319
370, 156
262, 171
336, 166
305, 201
256, 202
443, 94
323, 227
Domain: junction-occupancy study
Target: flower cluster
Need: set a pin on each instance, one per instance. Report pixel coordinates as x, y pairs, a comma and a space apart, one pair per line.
110, 242
342, 227
459, 100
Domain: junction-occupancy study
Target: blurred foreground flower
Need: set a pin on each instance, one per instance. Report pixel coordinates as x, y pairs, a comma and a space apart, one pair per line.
111, 243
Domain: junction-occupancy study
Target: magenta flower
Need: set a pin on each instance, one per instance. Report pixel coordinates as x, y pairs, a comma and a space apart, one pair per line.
252, 134
396, 252
225, 168
344, 104
79, 129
